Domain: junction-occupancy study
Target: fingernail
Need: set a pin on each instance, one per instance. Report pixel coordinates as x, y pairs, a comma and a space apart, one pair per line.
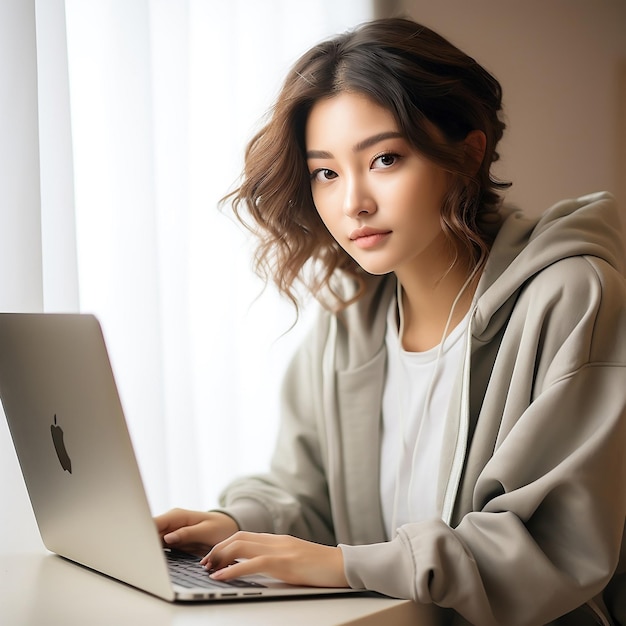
218, 574
170, 538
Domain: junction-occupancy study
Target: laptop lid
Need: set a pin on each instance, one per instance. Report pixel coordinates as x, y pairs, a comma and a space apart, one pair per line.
67, 424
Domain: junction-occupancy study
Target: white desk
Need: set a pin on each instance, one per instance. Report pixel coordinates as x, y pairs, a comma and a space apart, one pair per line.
45, 590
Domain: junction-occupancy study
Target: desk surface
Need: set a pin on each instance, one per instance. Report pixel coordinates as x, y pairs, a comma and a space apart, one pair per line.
45, 590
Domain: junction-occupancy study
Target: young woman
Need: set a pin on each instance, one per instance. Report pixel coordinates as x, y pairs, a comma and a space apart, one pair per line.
454, 428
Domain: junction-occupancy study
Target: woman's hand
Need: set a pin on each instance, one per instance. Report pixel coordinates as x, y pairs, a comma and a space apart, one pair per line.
284, 557
195, 532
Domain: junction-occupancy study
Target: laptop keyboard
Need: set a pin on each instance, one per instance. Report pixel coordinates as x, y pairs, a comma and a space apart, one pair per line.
185, 570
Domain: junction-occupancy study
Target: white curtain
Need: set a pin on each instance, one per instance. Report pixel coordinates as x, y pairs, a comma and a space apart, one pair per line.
163, 96
21, 279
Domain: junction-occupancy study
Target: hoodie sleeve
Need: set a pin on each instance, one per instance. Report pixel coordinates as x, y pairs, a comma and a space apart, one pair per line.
548, 508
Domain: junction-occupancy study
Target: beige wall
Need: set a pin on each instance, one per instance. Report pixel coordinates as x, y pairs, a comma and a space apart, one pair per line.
562, 65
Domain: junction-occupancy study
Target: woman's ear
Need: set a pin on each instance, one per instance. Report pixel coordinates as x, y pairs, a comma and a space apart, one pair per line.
475, 144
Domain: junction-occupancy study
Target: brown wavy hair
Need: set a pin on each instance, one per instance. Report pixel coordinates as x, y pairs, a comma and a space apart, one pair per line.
423, 80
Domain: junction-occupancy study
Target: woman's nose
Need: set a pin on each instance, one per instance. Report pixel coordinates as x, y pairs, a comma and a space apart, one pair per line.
358, 200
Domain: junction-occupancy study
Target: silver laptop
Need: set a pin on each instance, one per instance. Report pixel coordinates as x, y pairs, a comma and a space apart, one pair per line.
66, 420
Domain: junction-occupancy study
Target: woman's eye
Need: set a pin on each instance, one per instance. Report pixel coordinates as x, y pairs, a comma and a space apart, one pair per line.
323, 174
384, 160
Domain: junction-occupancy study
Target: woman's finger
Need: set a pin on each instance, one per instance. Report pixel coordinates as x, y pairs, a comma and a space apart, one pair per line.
239, 546
247, 567
194, 531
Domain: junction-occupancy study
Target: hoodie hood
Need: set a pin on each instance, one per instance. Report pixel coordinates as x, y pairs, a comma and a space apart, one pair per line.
589, 225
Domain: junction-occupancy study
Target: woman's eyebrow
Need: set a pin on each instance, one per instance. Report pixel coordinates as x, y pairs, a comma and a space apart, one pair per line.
374, 139
318, 154
362, 145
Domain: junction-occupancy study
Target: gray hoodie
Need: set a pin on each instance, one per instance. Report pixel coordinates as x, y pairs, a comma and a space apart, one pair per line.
533, 474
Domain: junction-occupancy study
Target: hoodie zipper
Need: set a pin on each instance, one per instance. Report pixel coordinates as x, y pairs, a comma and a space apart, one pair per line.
460, 449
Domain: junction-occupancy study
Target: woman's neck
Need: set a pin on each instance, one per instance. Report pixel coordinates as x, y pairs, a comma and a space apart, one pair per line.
428, 299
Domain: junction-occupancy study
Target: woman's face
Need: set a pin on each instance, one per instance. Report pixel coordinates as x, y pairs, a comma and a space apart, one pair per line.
379, 198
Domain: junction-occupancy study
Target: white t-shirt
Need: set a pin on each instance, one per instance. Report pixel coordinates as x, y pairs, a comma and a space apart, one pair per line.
415, 402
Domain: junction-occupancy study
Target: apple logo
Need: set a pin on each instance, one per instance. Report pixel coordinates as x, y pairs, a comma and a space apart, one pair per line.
59, 446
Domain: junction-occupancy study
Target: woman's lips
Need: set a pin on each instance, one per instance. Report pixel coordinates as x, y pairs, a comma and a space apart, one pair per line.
368, 237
